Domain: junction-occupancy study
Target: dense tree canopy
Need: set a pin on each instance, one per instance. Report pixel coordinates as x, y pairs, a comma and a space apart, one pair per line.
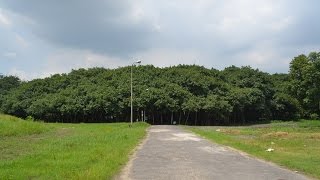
305, 84
186, 94
7, 83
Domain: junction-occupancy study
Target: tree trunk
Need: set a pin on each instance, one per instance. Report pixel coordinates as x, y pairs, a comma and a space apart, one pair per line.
171, 117
242, 118
153, 117
196, 118
187, 118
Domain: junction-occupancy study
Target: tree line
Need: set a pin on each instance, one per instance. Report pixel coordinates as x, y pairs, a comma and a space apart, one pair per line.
185, 94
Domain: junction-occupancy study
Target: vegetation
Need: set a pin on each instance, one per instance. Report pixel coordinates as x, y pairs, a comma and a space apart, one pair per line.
12, 126
191, 95
36, 150
305, 84
296, 144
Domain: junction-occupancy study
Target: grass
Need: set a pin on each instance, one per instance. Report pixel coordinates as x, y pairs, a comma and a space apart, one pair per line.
35, 150
296, 144
12, 126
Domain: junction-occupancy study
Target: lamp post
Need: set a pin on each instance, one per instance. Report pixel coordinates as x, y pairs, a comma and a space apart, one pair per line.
131, 116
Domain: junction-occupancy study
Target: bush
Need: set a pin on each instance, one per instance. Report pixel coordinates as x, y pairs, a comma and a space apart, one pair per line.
29, 118
314, 116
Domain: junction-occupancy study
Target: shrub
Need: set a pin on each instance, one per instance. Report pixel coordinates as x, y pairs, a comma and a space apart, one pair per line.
29, 118
314, 116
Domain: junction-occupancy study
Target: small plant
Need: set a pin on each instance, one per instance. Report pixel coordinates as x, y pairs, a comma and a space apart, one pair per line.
29, 118
314, 116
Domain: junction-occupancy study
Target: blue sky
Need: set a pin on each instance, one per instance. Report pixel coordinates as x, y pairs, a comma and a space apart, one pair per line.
40, 38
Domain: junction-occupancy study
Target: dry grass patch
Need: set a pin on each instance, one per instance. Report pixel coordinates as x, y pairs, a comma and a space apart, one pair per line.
276, 135
315, 136
231, 131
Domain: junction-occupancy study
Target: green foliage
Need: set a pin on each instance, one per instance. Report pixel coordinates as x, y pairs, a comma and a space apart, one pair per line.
286, 107
314, 116
189, 94
7, 83
305, 82
29, 118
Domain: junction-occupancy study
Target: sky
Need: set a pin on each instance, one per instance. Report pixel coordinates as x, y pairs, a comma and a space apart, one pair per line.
41, 38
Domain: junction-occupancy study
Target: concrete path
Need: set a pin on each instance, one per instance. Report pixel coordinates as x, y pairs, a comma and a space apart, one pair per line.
169, 152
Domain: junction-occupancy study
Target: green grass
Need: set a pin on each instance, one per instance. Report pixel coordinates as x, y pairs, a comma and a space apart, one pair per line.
35, 150
12, 126
296, 144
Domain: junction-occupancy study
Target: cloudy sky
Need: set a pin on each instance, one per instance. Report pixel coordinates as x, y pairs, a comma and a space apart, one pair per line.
39, 38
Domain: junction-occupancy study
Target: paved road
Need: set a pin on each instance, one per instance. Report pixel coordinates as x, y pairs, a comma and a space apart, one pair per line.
169, 152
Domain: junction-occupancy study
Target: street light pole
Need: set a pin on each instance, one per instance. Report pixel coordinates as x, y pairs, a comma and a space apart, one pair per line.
131, 115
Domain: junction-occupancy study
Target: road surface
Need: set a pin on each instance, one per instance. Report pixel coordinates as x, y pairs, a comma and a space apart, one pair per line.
170, 152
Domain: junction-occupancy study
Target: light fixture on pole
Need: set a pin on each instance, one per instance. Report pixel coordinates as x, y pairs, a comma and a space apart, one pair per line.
131, 115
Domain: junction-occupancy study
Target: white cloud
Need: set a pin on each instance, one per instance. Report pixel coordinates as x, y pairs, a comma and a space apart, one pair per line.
264, 57
10, 54
264, 34
168, 57
282, 24
4, 20
241, 22
23, 75
64, 60
21, 41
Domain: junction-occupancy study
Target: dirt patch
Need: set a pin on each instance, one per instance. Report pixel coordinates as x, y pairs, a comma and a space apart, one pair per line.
278, 134
63, 132
231, 131
315, 136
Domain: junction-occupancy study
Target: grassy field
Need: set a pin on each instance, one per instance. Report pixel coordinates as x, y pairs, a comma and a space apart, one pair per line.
35, 150
296, 144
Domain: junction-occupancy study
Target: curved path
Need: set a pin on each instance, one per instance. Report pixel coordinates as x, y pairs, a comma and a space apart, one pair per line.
169, 152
